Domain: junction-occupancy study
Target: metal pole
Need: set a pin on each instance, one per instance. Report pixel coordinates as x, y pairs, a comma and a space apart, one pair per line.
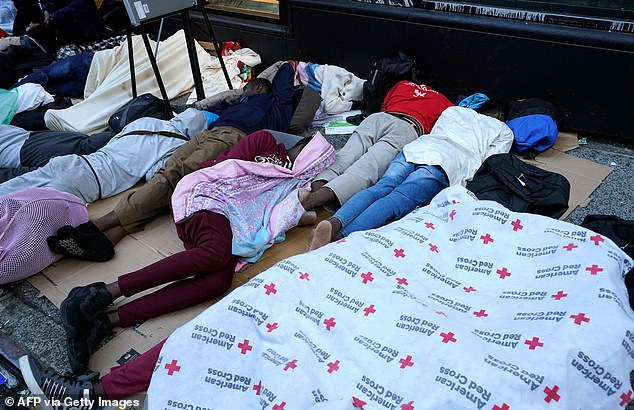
193, 56
131, 59
155, 68
216, 46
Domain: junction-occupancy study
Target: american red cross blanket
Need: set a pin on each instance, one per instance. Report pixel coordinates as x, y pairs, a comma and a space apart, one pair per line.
461, 304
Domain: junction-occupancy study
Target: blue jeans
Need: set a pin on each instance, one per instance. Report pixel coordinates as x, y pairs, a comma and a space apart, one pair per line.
402, 188
66, 77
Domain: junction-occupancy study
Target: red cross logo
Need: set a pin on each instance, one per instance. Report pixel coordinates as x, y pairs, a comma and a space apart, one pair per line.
406, 362
433, 248
580, 318
559, 295
429, 225
342, 240
502, 407
486, 239
469, 289
333, 366
517, 225
304, 276
597, 239
408, 406
503, 273
570, 247
280, 406
172, 367
453, 201
452, 214
290, 365
271, 327
245, 347
626, 398
448, 337
399, 253
534, 343
270, 288
368, 310
440, 313
402, 281
358, 403
330, 323
481, 313
594, 269
258, 388
367, 277
551, 394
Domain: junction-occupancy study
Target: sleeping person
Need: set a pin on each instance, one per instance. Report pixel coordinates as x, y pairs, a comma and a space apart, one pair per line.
233, 208
137, 152
22, 151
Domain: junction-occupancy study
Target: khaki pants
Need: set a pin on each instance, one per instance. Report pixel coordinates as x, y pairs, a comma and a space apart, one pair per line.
152, 199
366, 155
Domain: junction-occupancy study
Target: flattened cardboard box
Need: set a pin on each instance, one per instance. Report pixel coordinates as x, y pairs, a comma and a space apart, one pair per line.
159, 240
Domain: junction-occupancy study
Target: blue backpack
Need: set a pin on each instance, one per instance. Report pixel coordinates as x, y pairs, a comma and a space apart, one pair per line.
534, 125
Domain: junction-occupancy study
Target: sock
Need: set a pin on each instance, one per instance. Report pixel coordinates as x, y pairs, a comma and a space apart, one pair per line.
85, 241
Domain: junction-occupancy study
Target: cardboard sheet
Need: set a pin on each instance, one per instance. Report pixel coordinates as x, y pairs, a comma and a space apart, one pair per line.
159, 240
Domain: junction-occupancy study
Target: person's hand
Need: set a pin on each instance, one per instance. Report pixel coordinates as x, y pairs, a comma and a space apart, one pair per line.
293, 64
32, 26
47, 21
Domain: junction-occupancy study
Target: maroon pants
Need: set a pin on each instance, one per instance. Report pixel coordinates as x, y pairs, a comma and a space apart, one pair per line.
203, 271
133, 377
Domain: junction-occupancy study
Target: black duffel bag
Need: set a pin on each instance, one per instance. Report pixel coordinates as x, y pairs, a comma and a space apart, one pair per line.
521, 187
145, 105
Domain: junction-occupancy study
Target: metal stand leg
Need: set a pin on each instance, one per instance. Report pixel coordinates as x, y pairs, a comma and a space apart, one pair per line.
131, 58
216, 46
155, 68
193, 56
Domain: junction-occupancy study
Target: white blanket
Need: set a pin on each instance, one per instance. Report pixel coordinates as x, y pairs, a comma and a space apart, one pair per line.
461, 304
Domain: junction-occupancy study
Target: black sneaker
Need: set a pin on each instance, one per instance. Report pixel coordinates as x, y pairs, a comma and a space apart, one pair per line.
52, 387
81, 348
79, 309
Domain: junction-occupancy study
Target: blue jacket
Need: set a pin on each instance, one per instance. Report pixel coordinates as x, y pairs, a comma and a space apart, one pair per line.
262, 111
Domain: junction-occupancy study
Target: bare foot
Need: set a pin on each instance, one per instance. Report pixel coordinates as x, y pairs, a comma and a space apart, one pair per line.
308, 218
303, 195
315, 185
320, 236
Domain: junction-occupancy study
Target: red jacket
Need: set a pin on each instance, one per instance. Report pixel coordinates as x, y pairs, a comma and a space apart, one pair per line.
419, 102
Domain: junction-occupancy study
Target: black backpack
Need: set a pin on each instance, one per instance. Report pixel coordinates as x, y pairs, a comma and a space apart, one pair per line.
621, 232
145, 105
384, 74
521, 187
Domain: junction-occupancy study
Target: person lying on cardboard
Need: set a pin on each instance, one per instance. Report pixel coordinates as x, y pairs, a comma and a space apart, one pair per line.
22, 151
449, 155
408, 111
138, 151
230, 210
262, 106
306, 101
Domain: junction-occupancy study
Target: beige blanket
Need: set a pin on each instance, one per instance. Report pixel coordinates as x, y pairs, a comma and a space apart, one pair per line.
108, 85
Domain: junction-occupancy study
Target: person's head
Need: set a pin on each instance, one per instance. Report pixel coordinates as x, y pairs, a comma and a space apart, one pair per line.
257, 86
294, 151
495, 109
